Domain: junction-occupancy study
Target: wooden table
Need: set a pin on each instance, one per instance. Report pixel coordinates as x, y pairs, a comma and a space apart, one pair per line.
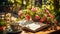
41, 32
46, 31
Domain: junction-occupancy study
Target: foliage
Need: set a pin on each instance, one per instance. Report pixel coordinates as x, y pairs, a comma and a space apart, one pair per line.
37, 14
2, 23
29, 8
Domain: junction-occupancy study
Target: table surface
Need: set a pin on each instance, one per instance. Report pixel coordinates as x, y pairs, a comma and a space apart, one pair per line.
46, 31
41, 32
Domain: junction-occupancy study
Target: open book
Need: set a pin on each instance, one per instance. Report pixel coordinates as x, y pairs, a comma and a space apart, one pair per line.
33, 26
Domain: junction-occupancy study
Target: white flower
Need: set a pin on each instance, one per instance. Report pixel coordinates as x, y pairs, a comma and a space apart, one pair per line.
13, 18
8, 14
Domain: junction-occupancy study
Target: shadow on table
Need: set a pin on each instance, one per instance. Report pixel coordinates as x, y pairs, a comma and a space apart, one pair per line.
1, 32
17, 32
55, 32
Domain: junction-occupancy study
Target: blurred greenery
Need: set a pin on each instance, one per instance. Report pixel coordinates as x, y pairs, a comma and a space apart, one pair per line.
2, 23
16, 5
